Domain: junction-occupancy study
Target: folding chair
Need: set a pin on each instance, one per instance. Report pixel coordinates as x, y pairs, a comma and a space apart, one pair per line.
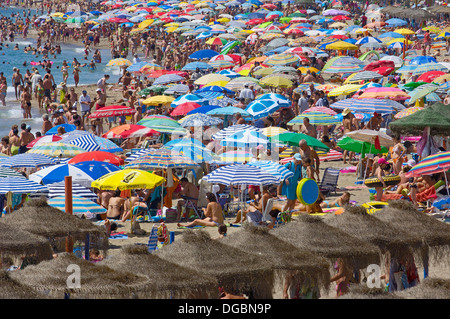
152, 244
189, 205
269, 205
329, 181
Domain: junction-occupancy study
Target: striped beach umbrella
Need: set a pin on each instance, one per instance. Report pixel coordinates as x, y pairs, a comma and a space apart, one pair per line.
315, 118
281, 59
44, 139
272, 130
59, 189
407, 111
384, 93
233, 157
381, 106
322, 109
57, 173
96, 169
427, 67
107, 145
161, 159
262, 108
240, 174
436, 163
57, 149
342, 66
80, 205
27, 159
111, 111
233, 129
18, 185
119, 62
345, 89
277, 170
130, 131
247, 138
86, 141
195, 153
6, 171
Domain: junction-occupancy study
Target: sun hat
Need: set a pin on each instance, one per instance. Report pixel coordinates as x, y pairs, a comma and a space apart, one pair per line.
382, 161
346, 111
297, 157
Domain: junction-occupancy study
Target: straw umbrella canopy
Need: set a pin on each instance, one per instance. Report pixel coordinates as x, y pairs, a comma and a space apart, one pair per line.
178, 283
283, 257
12, 289
356, 222
429, 288
39, 218
237, 272
96, 281
308, 232
14, 241
435, 234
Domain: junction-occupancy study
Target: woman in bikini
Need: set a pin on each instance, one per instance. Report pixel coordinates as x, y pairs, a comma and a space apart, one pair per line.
398, 153
338, 202
343, 276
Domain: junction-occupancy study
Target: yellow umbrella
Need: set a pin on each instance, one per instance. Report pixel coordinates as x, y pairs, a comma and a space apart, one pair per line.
270, 36
272, 131
341, 45
223, 20
400, 40
217, 83
304, 69
172, 24
345, 90
432, 29
146, 23
159, 99
277, 81
57, 14
441, 79
171, 29
404, 31
119, 62
211, 78
127, 179
263, 71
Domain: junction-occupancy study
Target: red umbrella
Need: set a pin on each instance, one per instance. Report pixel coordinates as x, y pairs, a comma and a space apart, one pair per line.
44, 139
100, 156
254, 21
112, 110
338, 36
377, 64
130, 131
430, 76
384, 70
184, 108
296, 31
118, 20
269, 6
340, 18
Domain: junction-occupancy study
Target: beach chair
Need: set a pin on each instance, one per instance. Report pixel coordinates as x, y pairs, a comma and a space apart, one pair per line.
152, 244
266, 217
190, 206
329, 181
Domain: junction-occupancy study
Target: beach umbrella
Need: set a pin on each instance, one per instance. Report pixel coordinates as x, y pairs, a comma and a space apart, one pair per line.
343, 66
315, 118
197, 154
200, 119
127, 179
111, 111
423, 59
19, 185
305, 233
130, 131
190, 97
98, 282
431, 164
281, 59
239, 272
429, 76
100, 156
192, 66
233, 157
349, 144
184, 108
279, 98
168, 78
44, 139
273, 168
25, 160
119, 62
6, 172
160, 159
203, 54
228, 111
322, 109
422, 92
59, 189
181, 283
212, 77
232, 129
66, 127
158, 99
262, 108
380, 106
240, 174
177, 89
384, 93
96, 169
345, 89
293, 139
214, 88
107, 145
404, 31
406, 112
86, 141
57, 149
245, 139
57, 173
81, 206
363, 76
395, 22
276, 81
430, 67
372, 136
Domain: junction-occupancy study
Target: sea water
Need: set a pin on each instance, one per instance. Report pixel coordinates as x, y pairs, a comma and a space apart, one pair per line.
10, 58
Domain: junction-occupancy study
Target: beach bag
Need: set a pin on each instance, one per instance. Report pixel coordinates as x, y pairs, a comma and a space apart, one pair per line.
171, 215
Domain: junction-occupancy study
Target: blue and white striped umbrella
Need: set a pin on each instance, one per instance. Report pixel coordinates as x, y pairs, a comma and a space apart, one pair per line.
80, 205
192, 66
168, 78
96, 169
381, 106
18, 185
210, 95
200, 119
277, 170
262, 108
27, 160
107, 145
368, 40
59, 189
86, 141
240, 174
233, 129
229, 73
246, 138
177, 89
57, 173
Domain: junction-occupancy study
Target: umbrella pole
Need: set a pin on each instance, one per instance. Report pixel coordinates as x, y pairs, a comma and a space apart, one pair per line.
69, 210
365, 172
446, 183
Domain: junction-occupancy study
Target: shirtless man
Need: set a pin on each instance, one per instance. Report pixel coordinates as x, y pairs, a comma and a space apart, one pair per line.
188, 190
350, 125
308, 152
46, 124
103, 198
375, 122
17, 80
213, 214
115, 206
307, 128
26, 137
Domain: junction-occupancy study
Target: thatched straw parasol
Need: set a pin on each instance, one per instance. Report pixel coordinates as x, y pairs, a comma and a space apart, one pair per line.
53, 278
356, 222
39, 218
435, 234
236, 271
16, 242
283, 257
11, 289
168, 280
429, 288
361, 291
312, 234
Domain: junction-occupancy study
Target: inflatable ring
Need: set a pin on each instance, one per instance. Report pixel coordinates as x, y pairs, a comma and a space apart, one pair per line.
307, 191
373, 207
389, 180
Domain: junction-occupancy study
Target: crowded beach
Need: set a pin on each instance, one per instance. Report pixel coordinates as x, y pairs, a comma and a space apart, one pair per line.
247, 150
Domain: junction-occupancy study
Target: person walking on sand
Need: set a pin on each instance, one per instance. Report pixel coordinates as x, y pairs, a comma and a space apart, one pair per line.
213, 214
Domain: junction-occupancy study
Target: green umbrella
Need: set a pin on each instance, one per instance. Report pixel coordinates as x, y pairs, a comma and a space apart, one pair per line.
412, 85
293, 139
436, 117
352, 145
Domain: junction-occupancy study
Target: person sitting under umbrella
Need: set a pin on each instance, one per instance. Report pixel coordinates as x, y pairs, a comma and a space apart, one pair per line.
213, 214
188, 192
